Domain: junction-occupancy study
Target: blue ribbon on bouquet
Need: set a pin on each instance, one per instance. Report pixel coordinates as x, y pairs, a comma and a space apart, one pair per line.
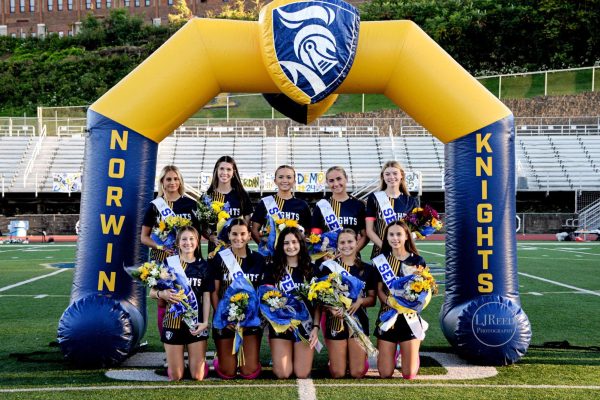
168, 242
289, 317
401, 305
188, 306
252, 319
267, 248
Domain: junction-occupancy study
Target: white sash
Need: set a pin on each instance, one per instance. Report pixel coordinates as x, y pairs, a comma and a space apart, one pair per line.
385, 270
163, 208
335, 267
417, 325
329, 216
387, 212
231, 263
272, 207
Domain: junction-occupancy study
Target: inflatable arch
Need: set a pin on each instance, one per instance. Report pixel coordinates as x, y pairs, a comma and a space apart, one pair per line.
481, 315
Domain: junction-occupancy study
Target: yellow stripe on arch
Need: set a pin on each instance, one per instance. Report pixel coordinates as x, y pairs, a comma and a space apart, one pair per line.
204, 58
398, 59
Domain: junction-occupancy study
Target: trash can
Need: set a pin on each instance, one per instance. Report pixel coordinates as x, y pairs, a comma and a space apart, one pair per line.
18, 228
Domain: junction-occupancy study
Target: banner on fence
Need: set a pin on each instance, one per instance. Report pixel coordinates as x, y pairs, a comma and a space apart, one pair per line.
251, 181
66, 182
310, 182
413, 181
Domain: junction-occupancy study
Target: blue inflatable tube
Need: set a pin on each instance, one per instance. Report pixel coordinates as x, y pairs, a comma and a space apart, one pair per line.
482, 316
107, 315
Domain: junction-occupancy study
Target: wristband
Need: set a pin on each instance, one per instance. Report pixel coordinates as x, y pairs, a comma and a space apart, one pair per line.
316, 326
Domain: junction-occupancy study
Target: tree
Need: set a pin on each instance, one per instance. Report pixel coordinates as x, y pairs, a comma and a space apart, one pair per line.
182, 13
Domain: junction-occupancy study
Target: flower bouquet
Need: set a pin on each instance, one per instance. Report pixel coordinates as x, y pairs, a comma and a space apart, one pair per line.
270, 233
409, 294
238, 308
423, 221
166, 231
322, 245
212, 213
167, 277
283, 311
335, 290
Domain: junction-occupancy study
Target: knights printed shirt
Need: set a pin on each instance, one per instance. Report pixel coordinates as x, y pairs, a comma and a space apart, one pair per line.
201, 281
350, 214
253, 266
293, 208
182, 207
236, 209
402, 205
364, 271
400, 269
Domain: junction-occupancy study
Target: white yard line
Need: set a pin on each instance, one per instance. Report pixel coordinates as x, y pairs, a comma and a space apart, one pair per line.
560, 284
431, 252
198, 386
572, 251
306, 389
32, 279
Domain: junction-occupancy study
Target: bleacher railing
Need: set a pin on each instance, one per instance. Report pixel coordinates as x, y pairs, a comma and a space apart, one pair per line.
34, 154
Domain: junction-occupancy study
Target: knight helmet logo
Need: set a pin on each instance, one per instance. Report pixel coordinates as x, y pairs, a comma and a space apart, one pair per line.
315, 43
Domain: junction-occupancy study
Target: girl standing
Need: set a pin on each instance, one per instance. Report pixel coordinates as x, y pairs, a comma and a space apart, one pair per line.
291, 266
344, 351
252, 264
226, 187
403, 258
282, 205
176, 335
169, 201
391, 203
341, 210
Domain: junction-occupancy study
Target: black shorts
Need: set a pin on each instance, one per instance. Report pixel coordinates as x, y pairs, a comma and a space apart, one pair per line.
400, 332
227, 333
332, 326
181, 335
289, 334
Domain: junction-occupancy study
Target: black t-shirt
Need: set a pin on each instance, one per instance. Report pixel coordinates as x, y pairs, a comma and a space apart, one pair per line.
350, 214
234, 199
293, 208
297, 277
400, 268
182, 207
365, 272
402, 205
200, 280
253, 266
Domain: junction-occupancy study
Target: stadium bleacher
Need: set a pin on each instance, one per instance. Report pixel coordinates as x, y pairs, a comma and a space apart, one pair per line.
549, 157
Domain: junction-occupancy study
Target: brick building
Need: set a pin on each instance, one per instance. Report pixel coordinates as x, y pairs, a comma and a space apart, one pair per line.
23, 18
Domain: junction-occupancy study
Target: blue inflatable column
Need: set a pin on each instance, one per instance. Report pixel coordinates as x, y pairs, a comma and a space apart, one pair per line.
482, 316
107, 314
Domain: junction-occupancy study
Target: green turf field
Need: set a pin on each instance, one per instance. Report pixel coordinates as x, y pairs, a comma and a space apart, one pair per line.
560, 292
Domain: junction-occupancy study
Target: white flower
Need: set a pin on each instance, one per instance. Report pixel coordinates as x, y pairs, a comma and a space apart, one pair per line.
281, 227
151, 282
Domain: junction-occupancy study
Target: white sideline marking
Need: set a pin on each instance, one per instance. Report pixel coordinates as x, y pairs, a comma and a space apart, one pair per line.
306, 389
40, 296
560, 284
197, 386
535, 293
457, 369
32, 279
571, 251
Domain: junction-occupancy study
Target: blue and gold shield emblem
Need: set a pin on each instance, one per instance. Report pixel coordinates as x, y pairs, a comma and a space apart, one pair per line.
309, 46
